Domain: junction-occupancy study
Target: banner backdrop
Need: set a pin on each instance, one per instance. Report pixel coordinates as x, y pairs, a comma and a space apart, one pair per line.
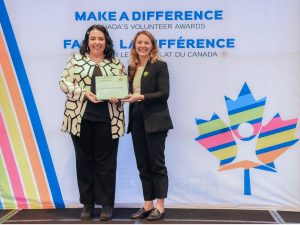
234, 100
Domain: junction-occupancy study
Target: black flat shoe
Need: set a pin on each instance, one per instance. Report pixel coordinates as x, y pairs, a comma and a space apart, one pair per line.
106, 213
87, 212
155, 215
142, 213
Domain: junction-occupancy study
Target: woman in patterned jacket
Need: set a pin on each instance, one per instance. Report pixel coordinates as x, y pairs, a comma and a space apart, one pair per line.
95, 125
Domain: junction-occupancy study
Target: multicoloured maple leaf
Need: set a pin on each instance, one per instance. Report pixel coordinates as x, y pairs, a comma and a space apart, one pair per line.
272, 139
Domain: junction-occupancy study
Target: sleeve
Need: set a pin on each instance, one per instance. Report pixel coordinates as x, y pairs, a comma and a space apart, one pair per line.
163, 86
123, 70
68, 84
123, 73
129, 80
117, 67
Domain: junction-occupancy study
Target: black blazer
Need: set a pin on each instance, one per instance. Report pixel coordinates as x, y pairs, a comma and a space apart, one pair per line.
155, 88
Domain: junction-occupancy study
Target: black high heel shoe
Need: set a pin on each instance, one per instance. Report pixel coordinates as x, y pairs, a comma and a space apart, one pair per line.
155, 215
142, 213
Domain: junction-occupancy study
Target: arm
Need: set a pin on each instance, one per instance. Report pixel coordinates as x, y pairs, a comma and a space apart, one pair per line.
163, 86
121, 71
68, 85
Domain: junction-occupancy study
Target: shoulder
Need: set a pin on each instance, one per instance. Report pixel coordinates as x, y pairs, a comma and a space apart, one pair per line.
116, 62
77, 58
159, 63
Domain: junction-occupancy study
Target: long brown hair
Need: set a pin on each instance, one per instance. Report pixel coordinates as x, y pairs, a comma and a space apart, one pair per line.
134, 58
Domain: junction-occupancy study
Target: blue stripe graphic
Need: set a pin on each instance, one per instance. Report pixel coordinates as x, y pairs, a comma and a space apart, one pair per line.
266, 168
248, 138
252, 122
245, 90
222, 146
245, 108
278, 130
225, 161
201, 121
216, 132
275, 147
31, 107
247, 187
241, 101
271, 164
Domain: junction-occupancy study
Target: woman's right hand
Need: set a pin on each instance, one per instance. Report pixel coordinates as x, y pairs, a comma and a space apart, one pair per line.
92, 97
134, 98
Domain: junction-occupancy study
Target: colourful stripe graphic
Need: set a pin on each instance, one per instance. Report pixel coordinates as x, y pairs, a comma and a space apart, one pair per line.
6, 194
12, 104
274, 138
24, 148
217, 138
12, 169
245, 110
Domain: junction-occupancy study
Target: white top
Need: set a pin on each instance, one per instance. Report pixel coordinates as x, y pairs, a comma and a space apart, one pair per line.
137, 81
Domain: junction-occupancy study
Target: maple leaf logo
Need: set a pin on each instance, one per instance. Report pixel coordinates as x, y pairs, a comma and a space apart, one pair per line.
264, 142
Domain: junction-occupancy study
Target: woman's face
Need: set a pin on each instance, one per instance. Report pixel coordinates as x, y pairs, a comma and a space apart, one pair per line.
143, 45
96, 42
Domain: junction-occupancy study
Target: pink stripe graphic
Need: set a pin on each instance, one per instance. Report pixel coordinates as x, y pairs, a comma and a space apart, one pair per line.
276, 123
216, 140
225, 138
11, 166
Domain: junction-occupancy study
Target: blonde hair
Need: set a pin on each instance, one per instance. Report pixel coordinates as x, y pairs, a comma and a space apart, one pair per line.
134, 58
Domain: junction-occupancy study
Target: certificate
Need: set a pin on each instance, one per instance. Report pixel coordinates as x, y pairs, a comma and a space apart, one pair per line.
108, 87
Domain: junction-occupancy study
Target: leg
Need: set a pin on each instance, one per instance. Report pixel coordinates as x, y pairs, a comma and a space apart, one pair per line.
141, 155
156, 146
105, 156
160, 204
84, 163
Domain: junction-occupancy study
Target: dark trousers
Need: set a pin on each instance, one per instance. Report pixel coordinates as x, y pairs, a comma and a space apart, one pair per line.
96, 163
149, 153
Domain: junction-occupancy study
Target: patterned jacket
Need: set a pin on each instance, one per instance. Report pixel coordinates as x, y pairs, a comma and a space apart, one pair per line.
76, 80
